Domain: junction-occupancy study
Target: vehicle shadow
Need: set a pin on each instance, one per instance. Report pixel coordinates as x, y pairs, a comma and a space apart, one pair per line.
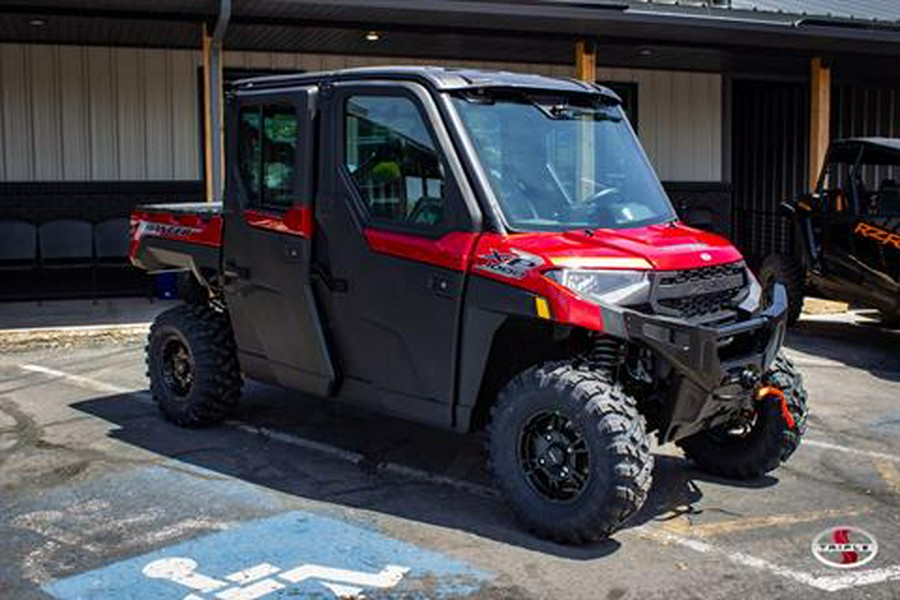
236, 451
860, 344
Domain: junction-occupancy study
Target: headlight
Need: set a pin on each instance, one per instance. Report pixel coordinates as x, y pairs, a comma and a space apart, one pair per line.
605, 287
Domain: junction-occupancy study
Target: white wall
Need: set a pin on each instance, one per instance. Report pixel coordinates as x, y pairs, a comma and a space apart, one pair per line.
71, 113
679, 121
94, 113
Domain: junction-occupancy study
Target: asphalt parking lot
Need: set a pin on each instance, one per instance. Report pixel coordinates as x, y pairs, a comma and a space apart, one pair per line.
100, 498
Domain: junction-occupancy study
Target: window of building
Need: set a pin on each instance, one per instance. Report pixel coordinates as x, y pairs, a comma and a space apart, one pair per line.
393, 160
267, 155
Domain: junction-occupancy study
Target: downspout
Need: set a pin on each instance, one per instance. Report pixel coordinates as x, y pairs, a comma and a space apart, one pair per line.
216, 106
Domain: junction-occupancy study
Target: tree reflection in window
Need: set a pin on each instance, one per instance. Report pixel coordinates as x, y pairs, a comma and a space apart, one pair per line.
393, 160
267, 162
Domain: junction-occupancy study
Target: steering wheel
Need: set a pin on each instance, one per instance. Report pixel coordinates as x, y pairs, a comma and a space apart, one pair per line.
512, 188
606, 191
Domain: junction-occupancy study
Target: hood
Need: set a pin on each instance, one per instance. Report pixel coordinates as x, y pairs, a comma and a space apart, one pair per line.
665, 247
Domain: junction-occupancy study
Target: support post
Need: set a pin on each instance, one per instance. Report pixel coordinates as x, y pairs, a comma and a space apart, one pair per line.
213, 105
209, 193
585, 61
586, 70
216, 120
819, 117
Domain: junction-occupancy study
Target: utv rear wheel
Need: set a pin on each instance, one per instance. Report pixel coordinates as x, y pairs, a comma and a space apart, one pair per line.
191, 291
569, 451
753, 446
192, 365
783, 269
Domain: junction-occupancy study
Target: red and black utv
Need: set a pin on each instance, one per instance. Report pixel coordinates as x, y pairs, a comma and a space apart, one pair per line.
473, 250
847, 232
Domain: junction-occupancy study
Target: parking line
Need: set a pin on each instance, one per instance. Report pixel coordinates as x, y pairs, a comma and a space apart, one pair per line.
356, 458
825, 583
101, 386
683, 526
280, 436
831, 583
849, 450
81, 381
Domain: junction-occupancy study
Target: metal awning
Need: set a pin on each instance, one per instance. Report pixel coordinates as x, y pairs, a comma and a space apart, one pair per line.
694, 34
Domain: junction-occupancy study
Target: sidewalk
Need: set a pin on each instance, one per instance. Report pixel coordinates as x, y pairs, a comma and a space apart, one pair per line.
64, 323
63, 314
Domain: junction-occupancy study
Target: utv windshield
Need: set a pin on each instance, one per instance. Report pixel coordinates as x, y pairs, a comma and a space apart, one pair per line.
563, 162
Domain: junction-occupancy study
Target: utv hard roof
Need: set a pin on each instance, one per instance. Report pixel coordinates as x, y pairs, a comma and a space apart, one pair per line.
877, 150
438, 78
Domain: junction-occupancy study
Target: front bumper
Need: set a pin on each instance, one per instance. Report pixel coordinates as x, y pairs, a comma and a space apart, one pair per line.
716, 368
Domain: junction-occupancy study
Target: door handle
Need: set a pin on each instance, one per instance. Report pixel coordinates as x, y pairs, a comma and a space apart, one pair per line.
334, 285
442, 286
293, 253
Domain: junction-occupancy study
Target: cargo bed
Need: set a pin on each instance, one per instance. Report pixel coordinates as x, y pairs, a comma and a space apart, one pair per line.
181, 236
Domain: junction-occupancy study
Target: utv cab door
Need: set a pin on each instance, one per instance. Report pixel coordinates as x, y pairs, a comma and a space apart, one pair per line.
268, 240
396, 234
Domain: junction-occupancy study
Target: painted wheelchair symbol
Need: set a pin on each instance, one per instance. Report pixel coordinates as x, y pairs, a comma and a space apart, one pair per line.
263, 579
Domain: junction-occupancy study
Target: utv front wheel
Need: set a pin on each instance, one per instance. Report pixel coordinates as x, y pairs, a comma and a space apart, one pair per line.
783, 269
569, 451
192, 365
758, 443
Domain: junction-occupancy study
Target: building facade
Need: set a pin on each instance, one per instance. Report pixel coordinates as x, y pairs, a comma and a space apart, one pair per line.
103, 106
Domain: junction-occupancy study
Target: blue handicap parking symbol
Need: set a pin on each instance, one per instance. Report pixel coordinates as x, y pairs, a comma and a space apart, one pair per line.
293, 554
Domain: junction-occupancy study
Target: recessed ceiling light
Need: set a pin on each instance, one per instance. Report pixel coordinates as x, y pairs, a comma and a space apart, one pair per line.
373, 36
645, 51
37, 22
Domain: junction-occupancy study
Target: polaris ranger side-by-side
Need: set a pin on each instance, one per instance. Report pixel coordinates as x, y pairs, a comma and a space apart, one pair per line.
847, 231
473, 250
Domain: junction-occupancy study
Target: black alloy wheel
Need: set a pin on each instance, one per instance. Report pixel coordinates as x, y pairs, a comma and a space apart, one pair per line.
178, 365
554, 456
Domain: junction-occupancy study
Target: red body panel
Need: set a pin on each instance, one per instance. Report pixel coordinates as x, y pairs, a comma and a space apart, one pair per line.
522, 259
196, 229
662, 247
519, 260
296, 221
565, 306
452, 251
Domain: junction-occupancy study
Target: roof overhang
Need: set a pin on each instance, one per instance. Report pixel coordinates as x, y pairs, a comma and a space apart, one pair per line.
489, 29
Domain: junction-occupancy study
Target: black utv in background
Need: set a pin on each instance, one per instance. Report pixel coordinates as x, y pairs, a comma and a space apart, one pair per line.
847, 231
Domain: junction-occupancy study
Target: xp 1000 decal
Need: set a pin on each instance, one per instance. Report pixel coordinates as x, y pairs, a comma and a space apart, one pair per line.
514, 264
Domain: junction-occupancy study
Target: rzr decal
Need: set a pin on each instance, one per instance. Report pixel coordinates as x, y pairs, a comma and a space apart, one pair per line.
515, 265
878, 234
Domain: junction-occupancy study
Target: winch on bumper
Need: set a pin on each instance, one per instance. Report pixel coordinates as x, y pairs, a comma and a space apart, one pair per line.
716, 369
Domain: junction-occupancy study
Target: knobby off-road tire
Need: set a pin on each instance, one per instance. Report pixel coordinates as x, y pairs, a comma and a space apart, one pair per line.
582, 405
767, 444
786, 270
192, 365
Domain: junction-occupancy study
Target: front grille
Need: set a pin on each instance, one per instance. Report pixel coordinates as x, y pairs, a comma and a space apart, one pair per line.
704, 294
